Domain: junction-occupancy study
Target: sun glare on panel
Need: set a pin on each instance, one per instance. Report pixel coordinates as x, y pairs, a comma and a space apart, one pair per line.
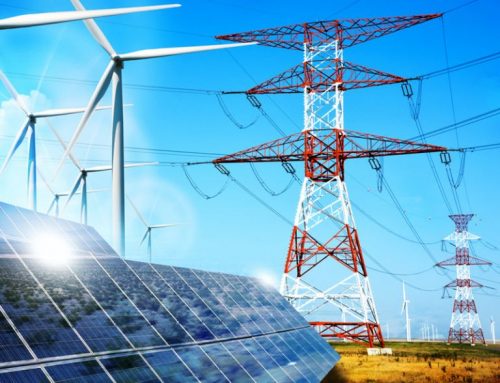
51, 249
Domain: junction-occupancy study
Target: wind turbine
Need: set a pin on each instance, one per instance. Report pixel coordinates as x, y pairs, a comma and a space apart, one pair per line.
82, 179
406, 308
36, 19
114, 72
149, 228
54, 204
492, 329
30, 126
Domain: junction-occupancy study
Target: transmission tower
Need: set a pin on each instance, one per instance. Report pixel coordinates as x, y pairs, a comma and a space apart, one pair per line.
465, 326
324, 226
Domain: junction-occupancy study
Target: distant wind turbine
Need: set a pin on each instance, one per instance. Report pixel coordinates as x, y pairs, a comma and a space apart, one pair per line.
149, 228
82, 179
54, 204
36, 19
29, 126
406, 308
492, 329
114, 72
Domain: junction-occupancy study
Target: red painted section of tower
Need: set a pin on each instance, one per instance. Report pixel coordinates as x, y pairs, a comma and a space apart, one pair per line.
347, 75
349, 32
360, 332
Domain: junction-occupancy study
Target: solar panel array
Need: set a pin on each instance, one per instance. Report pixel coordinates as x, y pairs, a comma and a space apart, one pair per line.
82, 314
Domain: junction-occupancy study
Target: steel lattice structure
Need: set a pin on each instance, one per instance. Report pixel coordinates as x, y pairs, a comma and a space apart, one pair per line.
324, 227
465, 326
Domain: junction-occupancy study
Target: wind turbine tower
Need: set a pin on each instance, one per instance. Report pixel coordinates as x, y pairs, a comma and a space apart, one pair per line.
465, 326
492, 329
406, 309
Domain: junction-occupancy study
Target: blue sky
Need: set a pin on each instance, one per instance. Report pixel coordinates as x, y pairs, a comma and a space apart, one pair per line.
233, 232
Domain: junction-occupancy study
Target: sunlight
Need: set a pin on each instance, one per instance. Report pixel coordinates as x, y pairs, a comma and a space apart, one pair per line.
51, 249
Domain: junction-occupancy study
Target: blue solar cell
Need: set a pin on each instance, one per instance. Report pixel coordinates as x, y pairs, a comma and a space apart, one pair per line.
309, 362
13, 224
201, 365
7, 226
248, 361
81, 309
282, 356
169, 367
143, 298
194, 301
234, 302
115, 303
227, 363
24, 376
34, 315
80, 372
217, 307
266, 359
258, 324
128, 369
11, 347
270, 316
170, 299
283, 313
298, 371
272, 295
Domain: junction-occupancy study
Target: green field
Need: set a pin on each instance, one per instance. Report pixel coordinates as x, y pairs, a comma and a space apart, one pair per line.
417, 362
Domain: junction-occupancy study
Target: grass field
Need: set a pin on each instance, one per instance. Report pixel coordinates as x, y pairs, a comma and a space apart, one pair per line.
417, 362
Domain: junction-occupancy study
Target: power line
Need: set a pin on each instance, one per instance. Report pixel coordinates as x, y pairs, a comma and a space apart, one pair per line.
454, 9
461, 66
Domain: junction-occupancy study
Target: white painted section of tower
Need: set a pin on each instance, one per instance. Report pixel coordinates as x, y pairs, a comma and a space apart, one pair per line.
322, 203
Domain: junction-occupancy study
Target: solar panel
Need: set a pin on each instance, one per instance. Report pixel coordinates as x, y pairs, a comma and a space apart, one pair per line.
79, 313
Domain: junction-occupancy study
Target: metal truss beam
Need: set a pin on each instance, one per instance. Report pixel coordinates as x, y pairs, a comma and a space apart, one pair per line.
349, 32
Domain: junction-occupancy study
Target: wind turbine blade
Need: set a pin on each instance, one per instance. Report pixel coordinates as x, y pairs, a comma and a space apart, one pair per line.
31, 20
145, 236
97, 190
97, 169
165, 225
63, 144
143, 220
162, 52
95, 31
13, 93
44, 180
105, 168
53, 203
65, 112
141, 164
99, 92
17, 142
73, 191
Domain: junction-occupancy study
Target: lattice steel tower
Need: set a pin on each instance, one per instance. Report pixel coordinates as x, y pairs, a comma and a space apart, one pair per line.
465, 326
324, 224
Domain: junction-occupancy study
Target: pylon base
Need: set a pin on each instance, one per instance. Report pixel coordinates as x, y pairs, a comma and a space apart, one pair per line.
365, 333
471, 336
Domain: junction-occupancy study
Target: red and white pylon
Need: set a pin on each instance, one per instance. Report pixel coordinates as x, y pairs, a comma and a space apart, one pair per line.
465, 326
324, 227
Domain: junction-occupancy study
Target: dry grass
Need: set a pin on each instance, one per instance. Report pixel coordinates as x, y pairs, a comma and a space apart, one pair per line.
418, 362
